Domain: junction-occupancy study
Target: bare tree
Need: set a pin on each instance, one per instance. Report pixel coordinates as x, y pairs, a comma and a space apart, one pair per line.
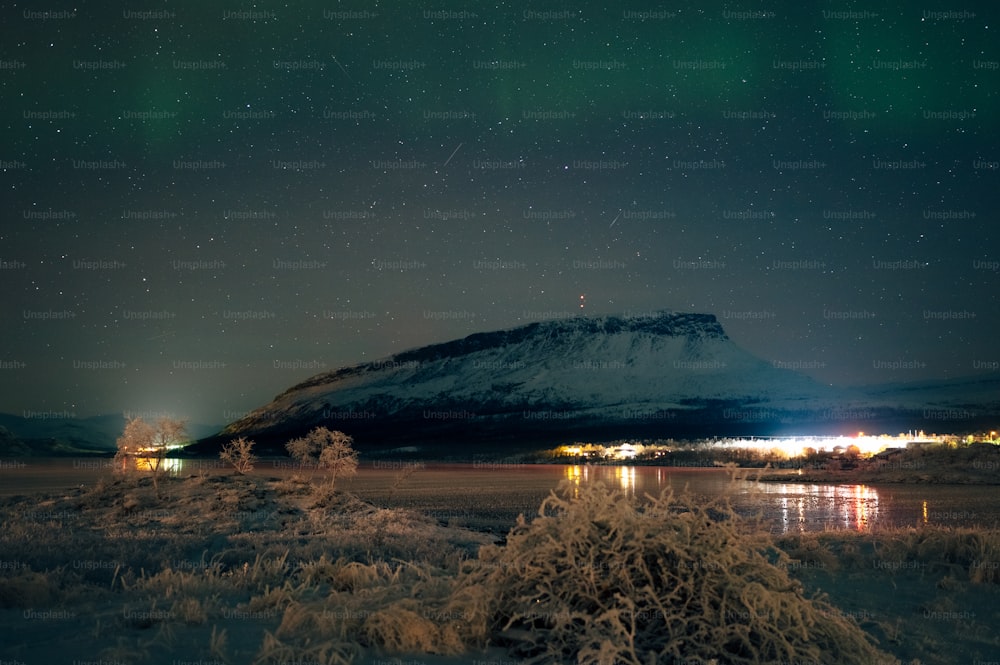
132, 444
238, 452
325, 449
142, 443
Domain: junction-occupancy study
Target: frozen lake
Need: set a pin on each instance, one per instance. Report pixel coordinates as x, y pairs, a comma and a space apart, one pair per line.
492, 495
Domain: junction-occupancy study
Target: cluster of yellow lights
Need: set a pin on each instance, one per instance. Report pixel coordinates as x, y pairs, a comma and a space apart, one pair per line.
796, 446
159, 449
789, 447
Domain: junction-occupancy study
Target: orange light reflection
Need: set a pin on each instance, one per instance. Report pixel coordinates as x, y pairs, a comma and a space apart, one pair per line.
626, 478
166, 464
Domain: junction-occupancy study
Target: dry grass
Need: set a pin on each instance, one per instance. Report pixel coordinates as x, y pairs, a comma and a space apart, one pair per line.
928, 593
328, 652
209, 557
404, 628
961, 552
243, 568
27, 589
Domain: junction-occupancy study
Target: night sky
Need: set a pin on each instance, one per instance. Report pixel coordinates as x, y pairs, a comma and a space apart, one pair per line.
204, 203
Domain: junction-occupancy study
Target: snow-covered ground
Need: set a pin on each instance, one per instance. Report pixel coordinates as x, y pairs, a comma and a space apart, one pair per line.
238, 569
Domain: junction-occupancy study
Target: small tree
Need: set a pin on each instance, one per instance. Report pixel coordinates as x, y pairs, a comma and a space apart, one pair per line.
149, 444
238, 453
325, 449
133, 443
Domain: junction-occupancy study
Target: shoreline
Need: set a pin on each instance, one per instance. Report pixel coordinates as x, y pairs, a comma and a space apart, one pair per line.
986, 474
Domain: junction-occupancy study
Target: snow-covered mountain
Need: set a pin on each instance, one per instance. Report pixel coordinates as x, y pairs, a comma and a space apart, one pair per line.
664, 375
669, 374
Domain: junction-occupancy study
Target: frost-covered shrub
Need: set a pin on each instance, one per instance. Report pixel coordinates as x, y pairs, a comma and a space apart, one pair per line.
327, 449
603, 578
239, 453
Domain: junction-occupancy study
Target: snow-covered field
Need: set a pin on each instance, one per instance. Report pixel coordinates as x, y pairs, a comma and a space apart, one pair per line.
221, 568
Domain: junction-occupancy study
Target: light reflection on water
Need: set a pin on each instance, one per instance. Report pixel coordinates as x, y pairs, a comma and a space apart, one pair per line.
168, 465
799, 507
794, 506
624, 477
850, 507
641, 480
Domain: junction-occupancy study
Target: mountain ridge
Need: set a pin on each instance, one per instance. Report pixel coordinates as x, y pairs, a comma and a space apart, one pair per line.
650, 375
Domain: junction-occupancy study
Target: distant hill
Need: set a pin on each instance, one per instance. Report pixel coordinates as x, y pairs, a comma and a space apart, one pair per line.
587, 378
42, 435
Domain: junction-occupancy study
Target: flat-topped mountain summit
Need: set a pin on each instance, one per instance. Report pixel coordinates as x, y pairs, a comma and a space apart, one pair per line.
667, 374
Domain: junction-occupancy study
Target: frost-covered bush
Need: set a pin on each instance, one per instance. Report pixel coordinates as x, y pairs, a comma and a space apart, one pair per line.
323, 448
602, 578
239, 453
